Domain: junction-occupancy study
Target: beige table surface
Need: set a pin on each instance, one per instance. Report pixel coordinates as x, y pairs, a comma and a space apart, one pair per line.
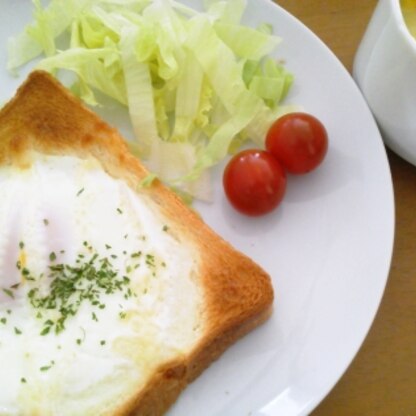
381, 381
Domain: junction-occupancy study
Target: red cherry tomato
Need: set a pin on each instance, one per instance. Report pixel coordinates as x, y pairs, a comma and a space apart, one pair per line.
254, 182
299, 141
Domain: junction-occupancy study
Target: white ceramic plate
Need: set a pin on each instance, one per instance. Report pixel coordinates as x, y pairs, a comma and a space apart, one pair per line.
328, 248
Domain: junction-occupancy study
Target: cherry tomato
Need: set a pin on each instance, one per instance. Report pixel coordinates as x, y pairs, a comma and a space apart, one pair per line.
254, 182
299, 141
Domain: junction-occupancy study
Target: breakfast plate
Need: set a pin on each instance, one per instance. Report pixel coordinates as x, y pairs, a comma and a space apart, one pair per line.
327, 248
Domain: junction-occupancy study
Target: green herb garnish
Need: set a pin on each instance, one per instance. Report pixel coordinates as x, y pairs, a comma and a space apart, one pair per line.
9, 293
45, 331
150, 260
71, 286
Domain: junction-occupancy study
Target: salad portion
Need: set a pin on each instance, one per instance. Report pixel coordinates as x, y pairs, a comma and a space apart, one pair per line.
197, 84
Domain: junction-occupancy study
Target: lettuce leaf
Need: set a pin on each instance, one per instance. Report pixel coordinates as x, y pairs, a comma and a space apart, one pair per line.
197, 85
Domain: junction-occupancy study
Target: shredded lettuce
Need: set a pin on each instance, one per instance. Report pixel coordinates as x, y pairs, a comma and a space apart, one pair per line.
147, 181
197, 85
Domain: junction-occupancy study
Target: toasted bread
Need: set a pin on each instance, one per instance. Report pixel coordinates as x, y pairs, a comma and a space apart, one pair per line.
236, 294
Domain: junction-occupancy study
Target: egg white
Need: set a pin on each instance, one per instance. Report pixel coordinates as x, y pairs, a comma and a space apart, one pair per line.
59, 209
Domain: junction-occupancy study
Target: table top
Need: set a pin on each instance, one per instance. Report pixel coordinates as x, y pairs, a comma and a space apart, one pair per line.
382, 378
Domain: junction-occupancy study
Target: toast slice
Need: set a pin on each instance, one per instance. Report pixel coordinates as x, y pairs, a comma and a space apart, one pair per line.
233, 294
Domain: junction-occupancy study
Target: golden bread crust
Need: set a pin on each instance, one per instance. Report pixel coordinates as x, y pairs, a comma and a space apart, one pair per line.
238, 295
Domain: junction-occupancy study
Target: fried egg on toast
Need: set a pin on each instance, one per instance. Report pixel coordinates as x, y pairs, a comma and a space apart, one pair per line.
113, 296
